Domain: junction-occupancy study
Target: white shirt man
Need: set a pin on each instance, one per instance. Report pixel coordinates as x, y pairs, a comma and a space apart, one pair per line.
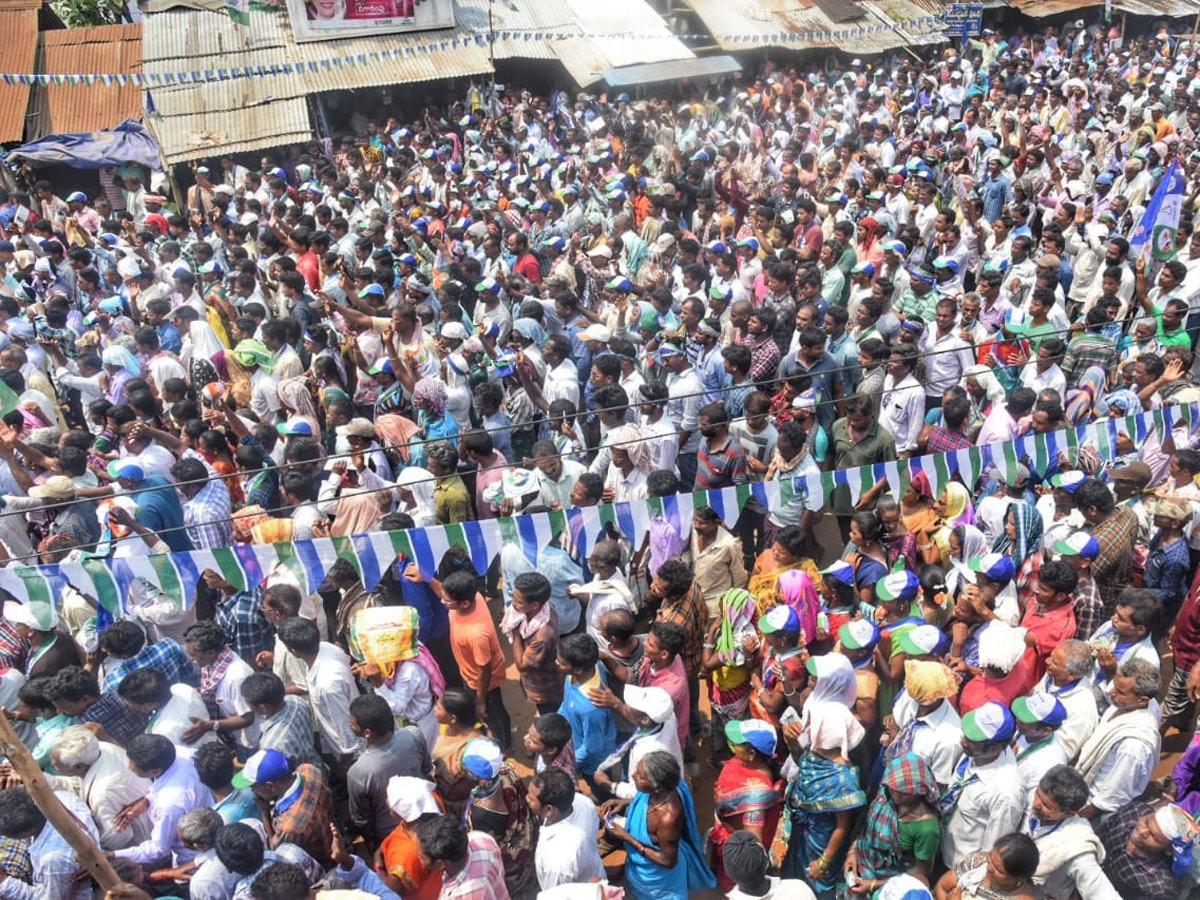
106, 784
566, 850
936, 736
331, 687
902, 412
172, 794
55, 866
990, 805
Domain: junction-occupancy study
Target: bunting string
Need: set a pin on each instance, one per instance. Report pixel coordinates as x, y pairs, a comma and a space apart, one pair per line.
110, 581
912, 28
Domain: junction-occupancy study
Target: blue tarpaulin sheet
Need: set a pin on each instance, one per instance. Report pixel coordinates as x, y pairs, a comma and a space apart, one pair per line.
129, 142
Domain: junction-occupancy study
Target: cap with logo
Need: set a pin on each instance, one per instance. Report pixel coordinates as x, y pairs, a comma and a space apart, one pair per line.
990, 722
265, 765
1039, 709
920, 641
758, 734
1078, 544
858, 634
995, 566
779, 618
898, 586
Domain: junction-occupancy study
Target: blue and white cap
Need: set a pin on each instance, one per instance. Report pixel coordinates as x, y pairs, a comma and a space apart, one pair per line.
995, 566
990, 722
1078, 544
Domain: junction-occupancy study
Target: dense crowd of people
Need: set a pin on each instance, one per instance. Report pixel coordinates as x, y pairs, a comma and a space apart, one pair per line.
521, 304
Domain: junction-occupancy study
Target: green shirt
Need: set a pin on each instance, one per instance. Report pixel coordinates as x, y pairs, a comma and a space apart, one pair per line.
877, 446
1177, 338
920, 838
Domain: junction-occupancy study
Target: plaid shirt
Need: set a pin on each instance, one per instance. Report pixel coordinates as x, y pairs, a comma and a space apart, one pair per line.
943, 440
118, 718
240, 617
302, 818
1113, 567
764, 360
721, 468
14, 649
692, 614
1134, 876
1089, 608
14, 859
290, 731
1087, 350
164, 656
482, 878
207, 517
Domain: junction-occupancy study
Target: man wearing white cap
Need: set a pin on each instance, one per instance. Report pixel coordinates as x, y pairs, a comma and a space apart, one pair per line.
653, 712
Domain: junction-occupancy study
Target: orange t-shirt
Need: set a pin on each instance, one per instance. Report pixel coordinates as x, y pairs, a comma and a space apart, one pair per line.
474, 641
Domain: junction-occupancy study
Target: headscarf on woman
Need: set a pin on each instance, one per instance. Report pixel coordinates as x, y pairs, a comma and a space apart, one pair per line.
959, 510
116, 355
992, 389
295, 395
432, 392
796, 590
1029, 533
974, 545
420, 483
871, 226
878, 846
836, 681
831, 726
738, 613
396, 431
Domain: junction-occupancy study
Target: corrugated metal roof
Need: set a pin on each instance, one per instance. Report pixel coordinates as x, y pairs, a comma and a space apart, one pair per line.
1043, 8
1158, 7
111, 49
766, 19
655, 73
200, 120
18, 53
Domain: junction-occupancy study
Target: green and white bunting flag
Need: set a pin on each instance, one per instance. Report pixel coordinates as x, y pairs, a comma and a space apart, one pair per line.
177, 575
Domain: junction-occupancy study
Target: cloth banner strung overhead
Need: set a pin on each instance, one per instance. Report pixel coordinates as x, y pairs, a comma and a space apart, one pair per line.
246, 566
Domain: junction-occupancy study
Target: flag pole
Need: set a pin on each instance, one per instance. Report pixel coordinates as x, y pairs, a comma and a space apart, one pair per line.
89, 855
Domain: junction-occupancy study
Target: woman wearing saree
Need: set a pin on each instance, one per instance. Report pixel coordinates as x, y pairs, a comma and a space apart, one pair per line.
455, 711
902, 830
297, 403
869, 559
498, 806
732, 654
665, 859
824, 793
785, 554
747, 791
398, 859
919, 517
899, 544
203, 354
1022, 540
966, 542
953, 508
121, 366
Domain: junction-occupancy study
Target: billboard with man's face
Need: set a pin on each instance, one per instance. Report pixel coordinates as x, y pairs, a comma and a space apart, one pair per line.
320, 20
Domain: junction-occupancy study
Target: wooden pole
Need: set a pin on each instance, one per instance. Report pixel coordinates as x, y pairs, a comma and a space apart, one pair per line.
89, 855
